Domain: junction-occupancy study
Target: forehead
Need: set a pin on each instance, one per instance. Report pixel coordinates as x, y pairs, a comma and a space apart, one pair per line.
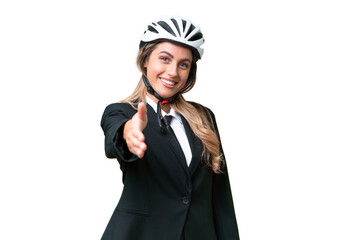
175, 50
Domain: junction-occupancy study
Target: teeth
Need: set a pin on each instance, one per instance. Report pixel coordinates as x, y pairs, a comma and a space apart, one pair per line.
167, 82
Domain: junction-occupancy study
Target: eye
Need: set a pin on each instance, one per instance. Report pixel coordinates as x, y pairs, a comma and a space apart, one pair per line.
165, 59
184, 65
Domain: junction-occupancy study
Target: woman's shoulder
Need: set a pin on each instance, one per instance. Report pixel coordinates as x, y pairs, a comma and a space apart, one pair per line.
121, 106
203, 108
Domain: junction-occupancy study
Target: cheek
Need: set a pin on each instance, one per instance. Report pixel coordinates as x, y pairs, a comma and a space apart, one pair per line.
185, 76
154, 69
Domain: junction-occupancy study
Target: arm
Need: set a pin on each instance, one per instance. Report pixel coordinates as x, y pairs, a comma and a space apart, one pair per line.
113, 121
223, 206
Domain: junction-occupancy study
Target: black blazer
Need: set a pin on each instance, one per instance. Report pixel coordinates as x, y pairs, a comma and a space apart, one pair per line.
162, 196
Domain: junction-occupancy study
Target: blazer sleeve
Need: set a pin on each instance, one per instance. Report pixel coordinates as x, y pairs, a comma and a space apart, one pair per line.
223, 206
112, 123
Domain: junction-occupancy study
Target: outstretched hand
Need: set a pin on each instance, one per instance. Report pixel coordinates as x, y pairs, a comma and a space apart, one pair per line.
133, 134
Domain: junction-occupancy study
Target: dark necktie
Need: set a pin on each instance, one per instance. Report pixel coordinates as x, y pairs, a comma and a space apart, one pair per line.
167, 120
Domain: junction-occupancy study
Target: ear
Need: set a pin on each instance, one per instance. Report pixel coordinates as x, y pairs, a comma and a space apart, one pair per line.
146, 63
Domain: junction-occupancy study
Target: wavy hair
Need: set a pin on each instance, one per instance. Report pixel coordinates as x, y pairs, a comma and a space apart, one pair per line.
197, 116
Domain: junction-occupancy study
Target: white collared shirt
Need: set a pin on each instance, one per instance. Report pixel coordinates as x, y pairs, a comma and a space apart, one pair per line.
178, 128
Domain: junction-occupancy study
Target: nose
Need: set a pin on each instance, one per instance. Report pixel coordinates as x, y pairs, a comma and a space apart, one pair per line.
172, 70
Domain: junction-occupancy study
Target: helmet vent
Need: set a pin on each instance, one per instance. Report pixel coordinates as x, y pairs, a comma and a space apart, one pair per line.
166, 27
176, 25
196, 37
190, 30
151, 29
184, 24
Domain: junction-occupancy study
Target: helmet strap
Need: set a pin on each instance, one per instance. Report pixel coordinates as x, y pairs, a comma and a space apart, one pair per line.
161, 101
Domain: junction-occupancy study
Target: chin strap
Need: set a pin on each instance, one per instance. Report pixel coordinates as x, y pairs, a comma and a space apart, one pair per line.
161, 101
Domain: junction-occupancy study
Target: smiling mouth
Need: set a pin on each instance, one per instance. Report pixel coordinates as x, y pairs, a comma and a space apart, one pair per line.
168, 82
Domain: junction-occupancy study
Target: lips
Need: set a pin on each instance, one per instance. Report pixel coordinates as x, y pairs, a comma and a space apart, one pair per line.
167, 82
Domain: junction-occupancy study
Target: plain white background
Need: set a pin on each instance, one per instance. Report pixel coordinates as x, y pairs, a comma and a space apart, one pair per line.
281, 76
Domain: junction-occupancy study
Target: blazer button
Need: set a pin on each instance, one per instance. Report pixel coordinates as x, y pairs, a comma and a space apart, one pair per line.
185, 200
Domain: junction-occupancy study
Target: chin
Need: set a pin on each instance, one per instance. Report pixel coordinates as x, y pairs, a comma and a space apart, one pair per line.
166, 96
166, 93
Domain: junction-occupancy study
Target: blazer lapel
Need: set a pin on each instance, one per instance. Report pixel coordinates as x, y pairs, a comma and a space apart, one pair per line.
168, 138
195, 145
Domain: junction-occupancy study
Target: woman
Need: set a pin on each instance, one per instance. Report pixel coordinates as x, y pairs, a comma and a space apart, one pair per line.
176, 184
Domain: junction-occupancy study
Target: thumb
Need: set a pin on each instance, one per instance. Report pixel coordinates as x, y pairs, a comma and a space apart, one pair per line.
142, 115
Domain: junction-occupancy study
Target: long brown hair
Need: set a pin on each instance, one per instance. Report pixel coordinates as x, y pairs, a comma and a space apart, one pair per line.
196, 115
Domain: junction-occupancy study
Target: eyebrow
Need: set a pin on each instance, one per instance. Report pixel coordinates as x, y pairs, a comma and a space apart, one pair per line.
183, 59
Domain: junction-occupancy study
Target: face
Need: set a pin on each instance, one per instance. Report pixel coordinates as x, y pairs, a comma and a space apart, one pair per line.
168, 68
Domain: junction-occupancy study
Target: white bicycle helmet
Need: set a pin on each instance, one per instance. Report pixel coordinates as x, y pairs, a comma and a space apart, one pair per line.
174, 29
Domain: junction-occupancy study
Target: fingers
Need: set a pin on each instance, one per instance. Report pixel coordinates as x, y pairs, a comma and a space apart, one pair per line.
133, 135
136, 144
141, 150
